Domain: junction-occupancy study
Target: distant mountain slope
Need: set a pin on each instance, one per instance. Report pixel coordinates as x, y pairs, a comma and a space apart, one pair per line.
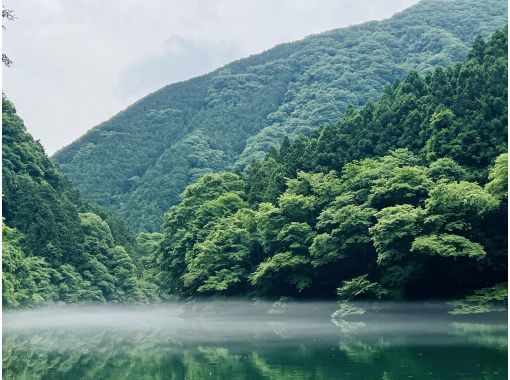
138, 162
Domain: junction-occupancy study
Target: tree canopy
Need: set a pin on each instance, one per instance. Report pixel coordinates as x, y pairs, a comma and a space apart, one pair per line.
380, 205
139, 162
57, 247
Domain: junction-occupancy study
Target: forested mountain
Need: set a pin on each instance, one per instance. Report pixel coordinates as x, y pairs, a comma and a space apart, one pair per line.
404, 198
55, 246
138, 163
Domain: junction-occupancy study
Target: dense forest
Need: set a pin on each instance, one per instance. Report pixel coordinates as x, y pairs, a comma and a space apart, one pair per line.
55, 246
404, 198
138, 163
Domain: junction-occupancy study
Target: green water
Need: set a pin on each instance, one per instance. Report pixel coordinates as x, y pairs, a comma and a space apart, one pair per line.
235, 340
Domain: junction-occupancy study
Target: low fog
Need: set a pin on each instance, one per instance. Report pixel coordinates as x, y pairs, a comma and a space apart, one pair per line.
242, 322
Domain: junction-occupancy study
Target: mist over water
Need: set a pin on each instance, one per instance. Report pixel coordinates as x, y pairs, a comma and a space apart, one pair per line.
255, 340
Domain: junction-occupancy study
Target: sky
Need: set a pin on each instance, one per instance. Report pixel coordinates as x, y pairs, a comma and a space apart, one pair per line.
78, 63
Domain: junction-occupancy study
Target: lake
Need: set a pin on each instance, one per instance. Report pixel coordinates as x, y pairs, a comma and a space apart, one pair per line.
252, 340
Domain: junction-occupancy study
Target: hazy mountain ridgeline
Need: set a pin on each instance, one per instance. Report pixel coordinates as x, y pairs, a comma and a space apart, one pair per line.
138, 162
55, 246
404, 198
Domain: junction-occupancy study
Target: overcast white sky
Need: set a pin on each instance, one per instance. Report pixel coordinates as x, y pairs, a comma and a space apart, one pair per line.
79, 62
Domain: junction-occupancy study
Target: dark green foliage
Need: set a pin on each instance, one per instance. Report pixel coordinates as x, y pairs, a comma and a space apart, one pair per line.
447, 245
396, 250
406, 116
37, 199
24, 279
347, 233
281, 273
138, 162
359, 288
220, 262
417, 114
396, 229
498, 178
494, 298
194, 239
55, 247
459, 206
421, 220
404, 198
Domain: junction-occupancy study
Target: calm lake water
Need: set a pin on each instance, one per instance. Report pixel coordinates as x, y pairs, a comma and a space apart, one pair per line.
241, 340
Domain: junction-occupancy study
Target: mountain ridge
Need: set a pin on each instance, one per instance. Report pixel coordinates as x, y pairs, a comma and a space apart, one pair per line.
139, 161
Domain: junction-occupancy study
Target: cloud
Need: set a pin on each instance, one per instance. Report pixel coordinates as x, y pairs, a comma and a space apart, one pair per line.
180, 58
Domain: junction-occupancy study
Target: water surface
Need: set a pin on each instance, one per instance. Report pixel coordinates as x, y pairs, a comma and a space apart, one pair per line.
257, 340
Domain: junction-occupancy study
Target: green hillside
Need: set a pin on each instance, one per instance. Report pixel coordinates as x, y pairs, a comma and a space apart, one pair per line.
138, 162
57, 248
405, 198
